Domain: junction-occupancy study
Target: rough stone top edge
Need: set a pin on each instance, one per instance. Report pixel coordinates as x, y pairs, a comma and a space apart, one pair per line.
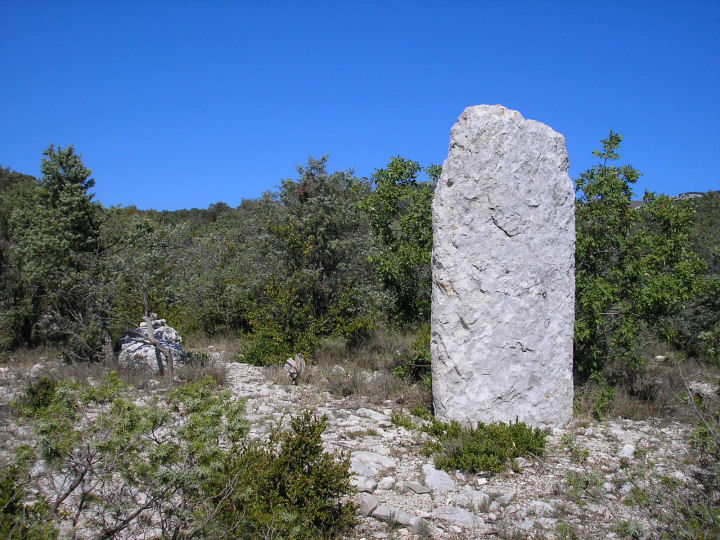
502, 111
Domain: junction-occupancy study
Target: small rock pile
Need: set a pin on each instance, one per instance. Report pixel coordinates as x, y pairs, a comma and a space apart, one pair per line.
137, 352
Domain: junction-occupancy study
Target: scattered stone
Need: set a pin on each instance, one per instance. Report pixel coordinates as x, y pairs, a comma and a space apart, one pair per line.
137, 352
415, 487
503, 273
386, 483
365, 463
437, 481
364, 484
388, 514
627, 451
542, 508
454, 514
374, 415
366, 503
525, 524
471, 498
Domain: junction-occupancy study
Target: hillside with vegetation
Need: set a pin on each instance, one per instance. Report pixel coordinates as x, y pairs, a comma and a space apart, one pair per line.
338, 268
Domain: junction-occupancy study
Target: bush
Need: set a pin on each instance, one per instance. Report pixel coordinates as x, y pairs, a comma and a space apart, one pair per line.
287, 487
39, 394
20, 518
487, 447
416, 367
134, 467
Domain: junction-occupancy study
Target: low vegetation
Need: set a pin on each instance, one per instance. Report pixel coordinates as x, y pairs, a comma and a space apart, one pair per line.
483, 448
176, 465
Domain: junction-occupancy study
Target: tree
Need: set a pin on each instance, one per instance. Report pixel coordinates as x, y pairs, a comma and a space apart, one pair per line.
318, 280
54, 237
633, 265
15, 190
400, 211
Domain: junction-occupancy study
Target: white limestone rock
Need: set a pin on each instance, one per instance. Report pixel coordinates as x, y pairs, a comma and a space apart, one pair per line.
364, 484
366, 503
136, 352
453, 514
503, 273
365, 463
437, 481
389, 514
386, 483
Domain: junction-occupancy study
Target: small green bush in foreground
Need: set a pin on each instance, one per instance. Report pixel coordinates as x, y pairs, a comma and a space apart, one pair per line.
287, 487
485, 448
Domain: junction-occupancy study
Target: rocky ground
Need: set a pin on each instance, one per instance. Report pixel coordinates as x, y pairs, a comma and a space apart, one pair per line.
596, 479
612, 479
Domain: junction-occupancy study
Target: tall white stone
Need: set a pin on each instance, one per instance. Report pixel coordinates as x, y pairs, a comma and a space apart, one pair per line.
503, 273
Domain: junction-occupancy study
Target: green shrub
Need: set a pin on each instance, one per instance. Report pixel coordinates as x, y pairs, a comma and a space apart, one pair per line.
20, 518
416, 367
127, 461
402, 420
287, 487
39, 394
487, 447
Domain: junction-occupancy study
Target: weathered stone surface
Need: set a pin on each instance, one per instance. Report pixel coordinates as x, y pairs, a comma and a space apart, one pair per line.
438, 481
388, 514
471, 498
386, 483
365, 463
364, 484
366, 503
453, 514
503, 273
415, 487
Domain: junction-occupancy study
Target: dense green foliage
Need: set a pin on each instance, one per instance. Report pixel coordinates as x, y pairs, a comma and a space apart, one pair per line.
696, 328
180, 465
634, 266
315, 258
20, 518
332, 255
400, 210
296, 488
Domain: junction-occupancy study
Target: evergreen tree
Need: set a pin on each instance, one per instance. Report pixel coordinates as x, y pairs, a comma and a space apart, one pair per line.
54, 241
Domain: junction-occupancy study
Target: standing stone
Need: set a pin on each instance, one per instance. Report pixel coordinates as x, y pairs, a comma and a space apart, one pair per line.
503, 273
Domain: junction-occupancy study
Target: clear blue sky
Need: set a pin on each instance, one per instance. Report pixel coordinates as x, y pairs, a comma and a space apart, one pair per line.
182, 104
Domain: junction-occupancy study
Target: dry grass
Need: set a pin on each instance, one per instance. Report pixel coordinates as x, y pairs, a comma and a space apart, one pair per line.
363, 372
658, 392
28, 357
366, 370
229, 343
